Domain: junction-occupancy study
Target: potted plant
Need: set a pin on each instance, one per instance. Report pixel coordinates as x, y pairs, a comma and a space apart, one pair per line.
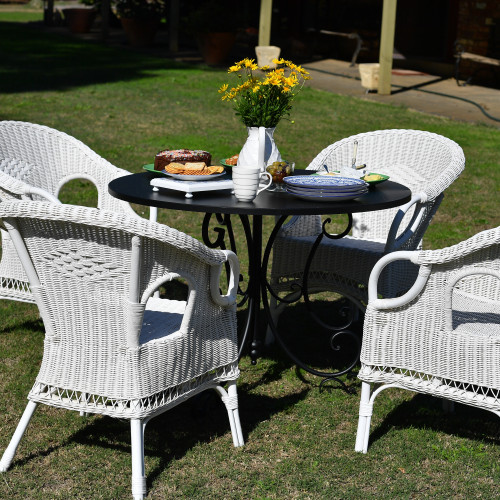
214, 24
80, 18
140, 19
261, 97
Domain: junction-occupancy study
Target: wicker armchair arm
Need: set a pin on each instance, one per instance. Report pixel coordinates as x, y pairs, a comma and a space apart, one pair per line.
395, 242
465, 251
390, 303
20, 188
41, 192
230, 298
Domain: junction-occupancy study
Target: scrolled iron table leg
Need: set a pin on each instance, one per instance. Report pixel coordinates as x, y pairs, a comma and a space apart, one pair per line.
252, 292
302, 291
255, 257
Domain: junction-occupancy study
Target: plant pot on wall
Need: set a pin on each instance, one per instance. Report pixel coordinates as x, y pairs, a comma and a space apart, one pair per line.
141, 32
266, 54
79, 19
215, 47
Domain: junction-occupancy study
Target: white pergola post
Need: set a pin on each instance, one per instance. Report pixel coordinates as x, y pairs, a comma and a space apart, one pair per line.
387, 46
266, 12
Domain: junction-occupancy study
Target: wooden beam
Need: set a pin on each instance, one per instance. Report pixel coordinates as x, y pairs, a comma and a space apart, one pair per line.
173, 26
387, 46
48, 13
105, 7
266, 12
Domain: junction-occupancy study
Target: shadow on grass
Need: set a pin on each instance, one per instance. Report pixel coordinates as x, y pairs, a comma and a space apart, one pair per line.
19, 318
171, 435
34, 60
425, 412
26, 327
324, 349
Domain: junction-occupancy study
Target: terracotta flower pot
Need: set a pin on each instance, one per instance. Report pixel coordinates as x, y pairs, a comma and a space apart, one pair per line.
79, 19
141, 32
215, 47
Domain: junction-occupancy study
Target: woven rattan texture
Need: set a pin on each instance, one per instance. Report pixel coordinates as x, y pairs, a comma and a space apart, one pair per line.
427, 163
445, 341
36, 156
82, 258
111, 345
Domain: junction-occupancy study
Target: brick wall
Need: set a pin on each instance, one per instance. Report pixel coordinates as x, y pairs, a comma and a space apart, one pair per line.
478, 32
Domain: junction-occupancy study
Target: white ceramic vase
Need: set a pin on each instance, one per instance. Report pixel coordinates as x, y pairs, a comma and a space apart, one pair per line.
259, 149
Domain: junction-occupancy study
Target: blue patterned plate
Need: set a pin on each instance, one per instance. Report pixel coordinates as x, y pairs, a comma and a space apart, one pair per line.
322, 182
326, 192
316, 197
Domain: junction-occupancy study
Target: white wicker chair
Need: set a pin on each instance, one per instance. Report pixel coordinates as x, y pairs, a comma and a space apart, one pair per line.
427, 163
110, 346
37, 161
441, 338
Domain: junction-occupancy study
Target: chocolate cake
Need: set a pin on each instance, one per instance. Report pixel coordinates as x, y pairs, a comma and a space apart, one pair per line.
163, 158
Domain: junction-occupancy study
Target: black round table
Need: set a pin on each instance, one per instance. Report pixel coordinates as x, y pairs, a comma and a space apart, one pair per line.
136, 188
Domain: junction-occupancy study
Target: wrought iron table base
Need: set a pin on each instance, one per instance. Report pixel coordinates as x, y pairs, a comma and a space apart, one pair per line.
259, 287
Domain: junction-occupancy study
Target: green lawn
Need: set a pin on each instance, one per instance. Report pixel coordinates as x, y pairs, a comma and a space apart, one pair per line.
299, 439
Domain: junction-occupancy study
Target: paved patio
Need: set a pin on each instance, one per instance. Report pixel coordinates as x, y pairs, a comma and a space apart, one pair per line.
444, 98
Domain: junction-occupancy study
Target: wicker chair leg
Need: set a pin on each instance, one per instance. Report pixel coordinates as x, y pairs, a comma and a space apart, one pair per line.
230, 399
365, 417
137, 428
9, 453
448, 406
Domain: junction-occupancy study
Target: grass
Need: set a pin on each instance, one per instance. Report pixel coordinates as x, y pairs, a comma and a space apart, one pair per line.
299, 439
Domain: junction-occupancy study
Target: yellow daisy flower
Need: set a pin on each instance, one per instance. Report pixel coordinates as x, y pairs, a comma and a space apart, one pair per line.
262, 99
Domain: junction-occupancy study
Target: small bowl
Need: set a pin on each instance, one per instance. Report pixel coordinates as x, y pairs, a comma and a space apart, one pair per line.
376, 180
224, 163
330, 174
279, 170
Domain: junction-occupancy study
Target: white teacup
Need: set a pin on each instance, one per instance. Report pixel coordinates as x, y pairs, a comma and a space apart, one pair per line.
246, 182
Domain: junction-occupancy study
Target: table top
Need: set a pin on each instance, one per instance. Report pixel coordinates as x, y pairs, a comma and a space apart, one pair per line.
136, 188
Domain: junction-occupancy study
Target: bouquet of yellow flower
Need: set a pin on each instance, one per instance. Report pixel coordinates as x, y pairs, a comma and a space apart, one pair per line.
261, 100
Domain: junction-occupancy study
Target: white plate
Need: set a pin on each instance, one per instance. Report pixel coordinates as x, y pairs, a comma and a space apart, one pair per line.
150, 168
181, 177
